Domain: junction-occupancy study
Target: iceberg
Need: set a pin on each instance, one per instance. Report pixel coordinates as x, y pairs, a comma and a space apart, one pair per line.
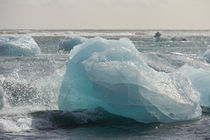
112, 74
21, 45
69, 42
206, 55
200, 79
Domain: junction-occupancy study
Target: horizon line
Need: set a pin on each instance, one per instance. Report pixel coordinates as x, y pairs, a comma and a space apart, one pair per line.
94, 29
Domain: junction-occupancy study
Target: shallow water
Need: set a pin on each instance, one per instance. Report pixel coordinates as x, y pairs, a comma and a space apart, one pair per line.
32, 87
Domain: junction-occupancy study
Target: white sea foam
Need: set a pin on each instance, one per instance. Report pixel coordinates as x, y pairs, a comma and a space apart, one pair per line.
15, 125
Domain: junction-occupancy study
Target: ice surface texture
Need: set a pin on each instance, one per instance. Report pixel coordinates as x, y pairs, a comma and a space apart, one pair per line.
201, 82
111, 74
69, 42
1, 97
206, 55
18, 46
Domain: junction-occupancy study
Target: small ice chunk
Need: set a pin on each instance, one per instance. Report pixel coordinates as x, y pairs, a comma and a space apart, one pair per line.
206, 55
21, 45
69, 42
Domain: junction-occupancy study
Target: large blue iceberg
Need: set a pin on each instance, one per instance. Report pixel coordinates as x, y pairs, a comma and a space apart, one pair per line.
201, 82
112, 74
21, 45
69, 42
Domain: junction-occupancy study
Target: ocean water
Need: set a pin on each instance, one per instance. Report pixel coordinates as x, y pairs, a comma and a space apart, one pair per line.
32, 86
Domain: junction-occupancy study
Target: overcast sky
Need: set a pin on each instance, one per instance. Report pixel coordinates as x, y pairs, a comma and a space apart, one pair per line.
105, 14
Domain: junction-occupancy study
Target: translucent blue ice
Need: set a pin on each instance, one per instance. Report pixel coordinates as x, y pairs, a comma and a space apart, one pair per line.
112, 74
69, 42
18, 46
206, 55
201, 82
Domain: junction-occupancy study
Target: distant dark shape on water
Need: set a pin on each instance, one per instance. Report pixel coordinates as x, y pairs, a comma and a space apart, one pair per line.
157, 35
178, 39
158, 38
